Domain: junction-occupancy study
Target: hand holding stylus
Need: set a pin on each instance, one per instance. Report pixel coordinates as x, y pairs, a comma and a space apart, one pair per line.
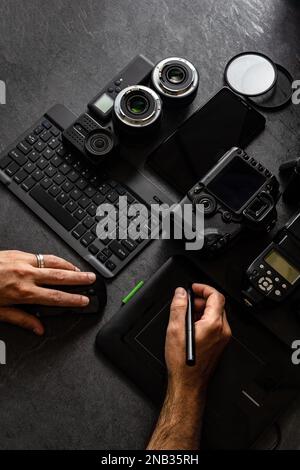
179, 423
212, 333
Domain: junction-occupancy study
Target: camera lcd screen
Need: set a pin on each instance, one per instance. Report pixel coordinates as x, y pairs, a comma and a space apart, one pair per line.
104, 103
236, 184
223, 122
282, 266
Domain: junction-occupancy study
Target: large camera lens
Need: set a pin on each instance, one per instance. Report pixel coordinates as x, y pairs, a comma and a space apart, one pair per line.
176, 80
137, 108
99, 144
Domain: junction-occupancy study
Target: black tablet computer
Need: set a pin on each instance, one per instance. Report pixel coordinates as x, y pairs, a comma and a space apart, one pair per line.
252, 382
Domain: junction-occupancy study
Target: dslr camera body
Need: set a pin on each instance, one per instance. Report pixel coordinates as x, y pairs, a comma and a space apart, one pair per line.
237, 193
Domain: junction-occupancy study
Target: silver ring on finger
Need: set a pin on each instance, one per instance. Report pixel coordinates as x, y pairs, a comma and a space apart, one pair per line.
40, 260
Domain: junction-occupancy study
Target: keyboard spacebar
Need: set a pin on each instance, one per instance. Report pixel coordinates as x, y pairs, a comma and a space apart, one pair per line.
51, 206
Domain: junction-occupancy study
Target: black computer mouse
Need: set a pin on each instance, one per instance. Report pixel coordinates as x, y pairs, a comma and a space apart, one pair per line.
96, 292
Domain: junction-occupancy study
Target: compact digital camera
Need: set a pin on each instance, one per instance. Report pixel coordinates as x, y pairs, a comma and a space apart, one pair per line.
237, 193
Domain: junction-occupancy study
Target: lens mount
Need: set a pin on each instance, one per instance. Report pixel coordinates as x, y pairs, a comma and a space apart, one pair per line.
99, 143
137, 107
176, 78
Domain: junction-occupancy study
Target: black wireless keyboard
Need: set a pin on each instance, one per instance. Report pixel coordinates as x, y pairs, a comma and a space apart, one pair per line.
65, 192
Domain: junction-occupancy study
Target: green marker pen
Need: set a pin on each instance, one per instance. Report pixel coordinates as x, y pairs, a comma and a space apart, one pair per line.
129, 296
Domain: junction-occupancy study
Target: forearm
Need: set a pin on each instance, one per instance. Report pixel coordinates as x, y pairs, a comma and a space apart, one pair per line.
179, 423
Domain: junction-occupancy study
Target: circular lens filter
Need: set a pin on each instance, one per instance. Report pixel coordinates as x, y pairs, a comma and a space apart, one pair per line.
250, 74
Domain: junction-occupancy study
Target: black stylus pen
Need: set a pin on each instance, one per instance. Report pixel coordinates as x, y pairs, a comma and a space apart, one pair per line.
190, 330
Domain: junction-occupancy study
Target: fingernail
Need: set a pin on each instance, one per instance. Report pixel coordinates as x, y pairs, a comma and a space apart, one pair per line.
85, 300
180, 292
92, 276
77, 269
38, 331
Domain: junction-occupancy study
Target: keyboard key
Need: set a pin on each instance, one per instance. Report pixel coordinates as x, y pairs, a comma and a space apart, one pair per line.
34, 156
55, 131
51, 171
46, 124
93, 249
46, 183
88, 222
104, 188
54, 209
37, 175
29, 167
101, 257
90, 191
76, 194
81, 183
63, 198
98, 199
118, 249
39, 145
71, 206
20, 176
48, 153
28, 183
73, 176
54, 190
42, 163
61, 151
129, 244
59, 179
67, 186
64, 168
97, 180
45, 136
112, 196
130, 198
84, 202
18, 157
110, 265
24, 147
107, 252
120, 190
38, 130
79, 214
4, 162
31, 139
87, 239
79, 231
12, 169
53, 143
92, 209
86, 173
56, 161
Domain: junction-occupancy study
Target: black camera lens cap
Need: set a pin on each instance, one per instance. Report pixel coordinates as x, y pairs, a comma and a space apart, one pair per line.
255, 76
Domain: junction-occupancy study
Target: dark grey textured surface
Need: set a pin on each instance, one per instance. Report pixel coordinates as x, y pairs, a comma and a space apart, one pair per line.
56, 392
